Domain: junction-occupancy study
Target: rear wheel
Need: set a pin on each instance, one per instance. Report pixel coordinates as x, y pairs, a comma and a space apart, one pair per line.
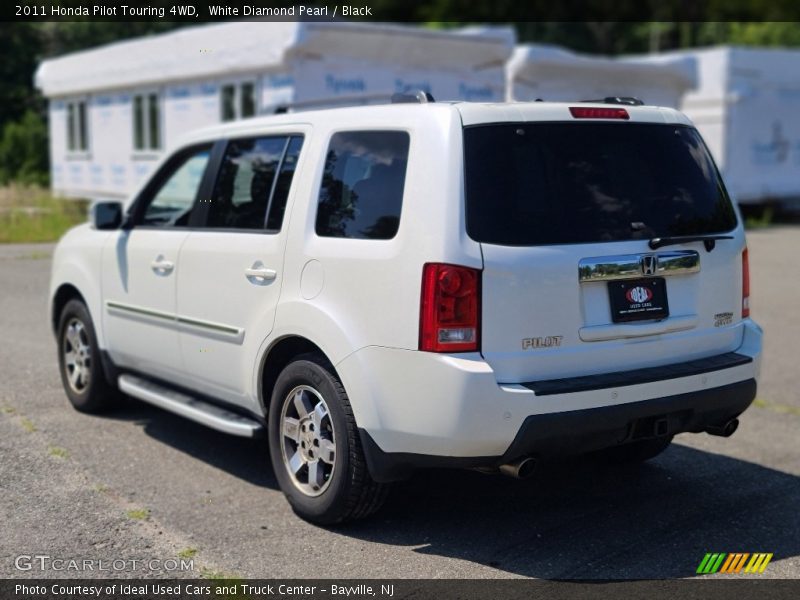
79, 360
636, 452
315, 448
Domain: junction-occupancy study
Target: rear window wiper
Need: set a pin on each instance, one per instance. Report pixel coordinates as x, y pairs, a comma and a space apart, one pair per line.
709, 241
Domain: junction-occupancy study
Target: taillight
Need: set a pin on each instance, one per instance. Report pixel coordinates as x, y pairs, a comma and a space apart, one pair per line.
449, 308
745, 284
589, 112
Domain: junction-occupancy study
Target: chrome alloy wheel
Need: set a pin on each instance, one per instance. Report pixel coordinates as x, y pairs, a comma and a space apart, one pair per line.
308, 440
77, 356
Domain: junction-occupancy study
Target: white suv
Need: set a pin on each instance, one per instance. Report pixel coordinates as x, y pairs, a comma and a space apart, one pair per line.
387, 288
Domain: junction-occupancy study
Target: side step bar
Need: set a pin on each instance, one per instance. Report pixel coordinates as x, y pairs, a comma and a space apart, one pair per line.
190, 407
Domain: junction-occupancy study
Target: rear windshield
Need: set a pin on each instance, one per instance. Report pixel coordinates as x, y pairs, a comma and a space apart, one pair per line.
573, 183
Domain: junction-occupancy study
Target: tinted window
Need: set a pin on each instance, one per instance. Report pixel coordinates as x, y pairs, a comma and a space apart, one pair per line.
565, 183
362, 185
244, 183
278, 205
175, 189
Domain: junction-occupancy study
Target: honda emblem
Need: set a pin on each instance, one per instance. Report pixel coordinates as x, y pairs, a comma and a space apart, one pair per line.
649, 264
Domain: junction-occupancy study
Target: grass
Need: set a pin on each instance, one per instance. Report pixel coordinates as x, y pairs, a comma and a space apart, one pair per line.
760, 221
220, 576
138, 514
187, 553
31, 214
226, 584
57, 452
776, 407
27, 425
35, 255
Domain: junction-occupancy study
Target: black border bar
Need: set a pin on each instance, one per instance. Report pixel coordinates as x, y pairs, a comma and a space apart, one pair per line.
411, 11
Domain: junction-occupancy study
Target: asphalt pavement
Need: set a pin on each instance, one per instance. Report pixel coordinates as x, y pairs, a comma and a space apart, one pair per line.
147, 489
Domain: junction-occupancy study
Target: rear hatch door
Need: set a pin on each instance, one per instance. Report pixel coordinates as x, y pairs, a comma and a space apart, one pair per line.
566, 213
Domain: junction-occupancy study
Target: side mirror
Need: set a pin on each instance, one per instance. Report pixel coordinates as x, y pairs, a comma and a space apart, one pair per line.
106, 215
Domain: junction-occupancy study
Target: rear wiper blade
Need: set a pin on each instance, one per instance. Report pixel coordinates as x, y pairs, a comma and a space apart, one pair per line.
709, 241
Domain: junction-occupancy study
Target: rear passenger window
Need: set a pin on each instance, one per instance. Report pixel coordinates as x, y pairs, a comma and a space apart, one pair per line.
278, 205
253, 180
362, 185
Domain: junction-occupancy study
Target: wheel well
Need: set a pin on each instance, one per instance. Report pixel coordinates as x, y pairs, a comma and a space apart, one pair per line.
64, 294
280, 355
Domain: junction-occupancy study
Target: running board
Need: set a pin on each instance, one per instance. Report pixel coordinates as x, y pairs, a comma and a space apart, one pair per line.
190, 407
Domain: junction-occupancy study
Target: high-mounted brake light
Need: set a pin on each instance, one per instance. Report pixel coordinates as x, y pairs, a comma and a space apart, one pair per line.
745, 284
590, 112
449, 308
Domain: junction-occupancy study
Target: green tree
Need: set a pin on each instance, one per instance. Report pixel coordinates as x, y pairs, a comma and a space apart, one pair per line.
23, 150
19, 44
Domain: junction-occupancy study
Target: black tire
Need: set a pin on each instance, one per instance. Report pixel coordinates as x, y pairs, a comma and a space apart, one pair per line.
347, 492
90, 393
636, 452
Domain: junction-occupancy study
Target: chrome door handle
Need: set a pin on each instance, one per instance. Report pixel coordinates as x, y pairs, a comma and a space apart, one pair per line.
161, 266
260, 274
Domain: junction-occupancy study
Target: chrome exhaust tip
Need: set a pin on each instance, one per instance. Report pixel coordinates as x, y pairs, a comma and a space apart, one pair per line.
522, 468
724, 430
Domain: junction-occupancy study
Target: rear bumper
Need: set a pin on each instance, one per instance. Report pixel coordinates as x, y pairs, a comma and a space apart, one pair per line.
419, 409
576, 432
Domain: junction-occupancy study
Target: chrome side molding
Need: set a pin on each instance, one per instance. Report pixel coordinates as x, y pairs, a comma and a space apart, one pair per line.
220, 331
634, 266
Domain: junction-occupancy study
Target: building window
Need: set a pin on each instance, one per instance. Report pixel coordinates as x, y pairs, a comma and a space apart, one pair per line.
146, 122
238, 100
77, 131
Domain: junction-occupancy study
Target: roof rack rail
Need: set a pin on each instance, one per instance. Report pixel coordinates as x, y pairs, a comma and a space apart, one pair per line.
626, 100
420, 96
353, 100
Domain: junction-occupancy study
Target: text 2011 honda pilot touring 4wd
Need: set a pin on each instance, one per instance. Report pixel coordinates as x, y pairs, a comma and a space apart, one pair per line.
387, 288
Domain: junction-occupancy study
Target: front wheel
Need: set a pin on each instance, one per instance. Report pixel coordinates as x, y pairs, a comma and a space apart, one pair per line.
79, 361
315, 448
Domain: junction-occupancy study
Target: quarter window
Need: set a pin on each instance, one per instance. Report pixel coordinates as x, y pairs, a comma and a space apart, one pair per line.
253, 183
77, 131
146, 122
238, 101
362, 185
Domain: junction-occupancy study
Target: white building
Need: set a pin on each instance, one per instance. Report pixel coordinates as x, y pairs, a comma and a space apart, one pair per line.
555, 74
747, 107
114, 110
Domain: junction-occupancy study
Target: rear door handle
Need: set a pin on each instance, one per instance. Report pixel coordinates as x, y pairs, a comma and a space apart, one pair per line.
161, 266
259, 275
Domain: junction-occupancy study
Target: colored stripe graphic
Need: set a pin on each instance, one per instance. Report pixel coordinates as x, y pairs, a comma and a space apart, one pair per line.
711, 563
758, 563
733, 562
703, 563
